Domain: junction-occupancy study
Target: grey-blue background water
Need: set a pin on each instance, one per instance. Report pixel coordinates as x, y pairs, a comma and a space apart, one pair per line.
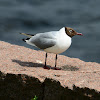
33, 16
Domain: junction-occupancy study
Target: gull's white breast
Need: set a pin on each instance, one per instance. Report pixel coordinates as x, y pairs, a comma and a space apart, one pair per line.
63, 42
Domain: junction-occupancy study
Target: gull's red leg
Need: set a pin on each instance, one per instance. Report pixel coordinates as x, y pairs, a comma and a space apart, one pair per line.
45, 66
56, 64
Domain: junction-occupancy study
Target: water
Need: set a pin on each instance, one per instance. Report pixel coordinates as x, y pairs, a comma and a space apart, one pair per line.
33, 16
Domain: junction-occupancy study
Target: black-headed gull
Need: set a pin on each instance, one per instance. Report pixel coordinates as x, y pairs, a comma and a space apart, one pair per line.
52, 42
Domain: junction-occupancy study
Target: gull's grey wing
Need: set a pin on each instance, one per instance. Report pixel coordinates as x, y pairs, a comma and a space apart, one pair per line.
43, 40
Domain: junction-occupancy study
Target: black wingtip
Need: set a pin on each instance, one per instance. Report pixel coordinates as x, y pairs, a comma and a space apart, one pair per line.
24, 40
20, 33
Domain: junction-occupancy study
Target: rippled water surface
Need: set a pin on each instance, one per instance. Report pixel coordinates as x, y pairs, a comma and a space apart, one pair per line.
33, 16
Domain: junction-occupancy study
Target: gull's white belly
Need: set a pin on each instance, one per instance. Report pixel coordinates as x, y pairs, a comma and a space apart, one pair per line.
62, 45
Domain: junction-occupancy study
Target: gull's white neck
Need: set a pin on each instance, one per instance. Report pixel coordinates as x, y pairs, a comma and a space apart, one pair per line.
62, 31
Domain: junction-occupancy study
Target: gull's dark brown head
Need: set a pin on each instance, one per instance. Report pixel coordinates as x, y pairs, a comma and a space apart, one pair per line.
71, 32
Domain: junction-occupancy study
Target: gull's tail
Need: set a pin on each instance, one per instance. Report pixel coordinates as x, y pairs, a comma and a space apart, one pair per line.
29, 35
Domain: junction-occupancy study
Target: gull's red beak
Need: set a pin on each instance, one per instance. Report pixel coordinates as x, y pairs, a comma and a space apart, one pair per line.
79, 34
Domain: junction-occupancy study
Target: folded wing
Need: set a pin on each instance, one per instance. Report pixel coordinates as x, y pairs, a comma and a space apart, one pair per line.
43, 40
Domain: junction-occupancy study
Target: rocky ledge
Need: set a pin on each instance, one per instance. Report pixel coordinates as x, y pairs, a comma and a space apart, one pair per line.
22, 76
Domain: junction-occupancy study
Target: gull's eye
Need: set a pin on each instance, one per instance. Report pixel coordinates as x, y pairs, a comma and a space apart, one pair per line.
70, 31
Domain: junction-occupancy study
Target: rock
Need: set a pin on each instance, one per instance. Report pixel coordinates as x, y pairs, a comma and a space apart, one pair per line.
22, 76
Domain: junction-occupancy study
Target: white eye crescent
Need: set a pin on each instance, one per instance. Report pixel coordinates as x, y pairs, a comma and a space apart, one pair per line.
70, 31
